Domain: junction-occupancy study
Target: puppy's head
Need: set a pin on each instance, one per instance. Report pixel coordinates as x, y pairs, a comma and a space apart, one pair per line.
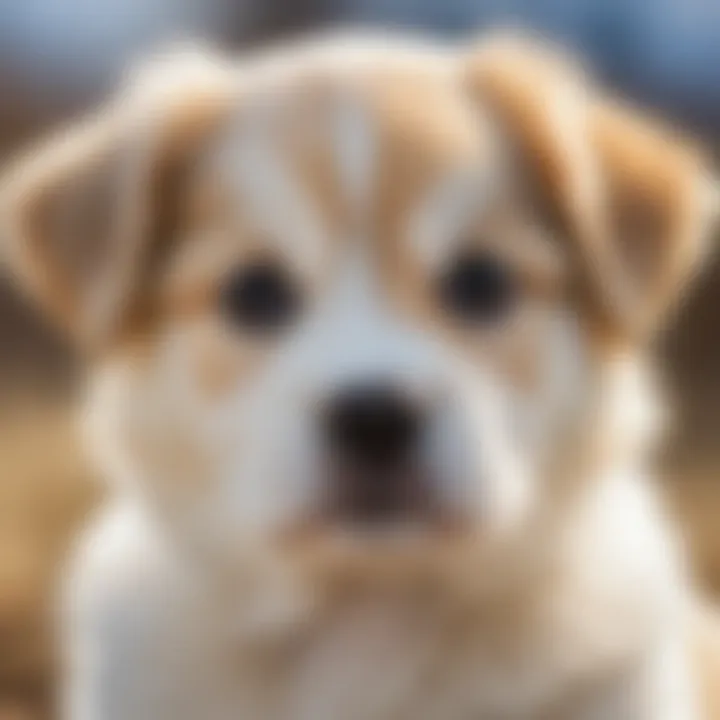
375, 295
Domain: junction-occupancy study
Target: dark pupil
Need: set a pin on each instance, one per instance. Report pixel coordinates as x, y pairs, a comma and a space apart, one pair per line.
476, 287
260, 297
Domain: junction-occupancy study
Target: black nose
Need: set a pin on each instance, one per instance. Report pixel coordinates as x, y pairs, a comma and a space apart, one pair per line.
373, 426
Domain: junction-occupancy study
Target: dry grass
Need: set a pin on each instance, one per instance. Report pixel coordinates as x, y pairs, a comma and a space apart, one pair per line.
45, 489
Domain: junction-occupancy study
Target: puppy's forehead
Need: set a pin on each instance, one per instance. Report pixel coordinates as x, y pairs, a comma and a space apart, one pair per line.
346, 148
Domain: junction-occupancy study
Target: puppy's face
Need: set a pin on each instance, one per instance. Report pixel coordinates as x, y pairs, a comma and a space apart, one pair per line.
350, 300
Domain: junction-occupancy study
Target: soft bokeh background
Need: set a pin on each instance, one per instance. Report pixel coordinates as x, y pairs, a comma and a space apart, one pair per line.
59, 56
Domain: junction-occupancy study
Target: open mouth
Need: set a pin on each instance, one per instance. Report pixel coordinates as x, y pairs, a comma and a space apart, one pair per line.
385, 500
378, 496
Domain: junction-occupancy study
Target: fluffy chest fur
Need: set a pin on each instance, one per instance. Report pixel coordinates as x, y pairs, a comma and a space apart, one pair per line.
572, 628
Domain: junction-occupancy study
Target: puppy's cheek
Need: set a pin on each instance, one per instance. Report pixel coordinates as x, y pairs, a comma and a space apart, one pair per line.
143, 428
560, 407
506, 464
481, 472
269, 459
155, 409
272, 480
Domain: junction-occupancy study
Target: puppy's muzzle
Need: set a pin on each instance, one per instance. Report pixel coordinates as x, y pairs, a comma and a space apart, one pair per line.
373, 433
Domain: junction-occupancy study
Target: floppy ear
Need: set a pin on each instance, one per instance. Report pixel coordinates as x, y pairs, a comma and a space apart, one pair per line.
633, 200
87, 212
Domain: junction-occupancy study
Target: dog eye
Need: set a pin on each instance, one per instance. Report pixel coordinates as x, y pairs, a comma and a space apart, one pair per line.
477, 287
260, 297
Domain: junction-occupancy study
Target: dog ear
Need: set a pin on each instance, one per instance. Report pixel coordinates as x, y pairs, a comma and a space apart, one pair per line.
633, 200
86, 213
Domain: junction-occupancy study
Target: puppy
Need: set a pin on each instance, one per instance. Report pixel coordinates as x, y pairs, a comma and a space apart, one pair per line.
365, 321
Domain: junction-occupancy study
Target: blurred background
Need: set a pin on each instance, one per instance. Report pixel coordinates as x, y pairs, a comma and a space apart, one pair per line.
57, 57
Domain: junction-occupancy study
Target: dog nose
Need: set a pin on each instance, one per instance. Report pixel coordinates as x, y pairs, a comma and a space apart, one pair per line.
373, 426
